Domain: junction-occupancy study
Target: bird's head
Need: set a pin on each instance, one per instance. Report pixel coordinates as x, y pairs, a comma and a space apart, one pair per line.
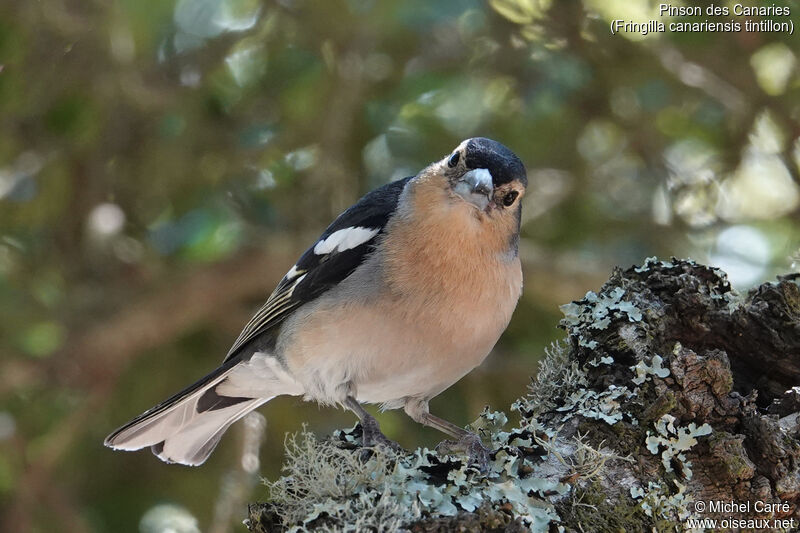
474, 192
486, 175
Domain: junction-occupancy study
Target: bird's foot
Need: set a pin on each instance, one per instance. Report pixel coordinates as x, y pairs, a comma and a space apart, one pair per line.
470, 444
371, 435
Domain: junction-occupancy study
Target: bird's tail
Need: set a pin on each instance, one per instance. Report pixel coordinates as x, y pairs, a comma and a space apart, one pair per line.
187, 427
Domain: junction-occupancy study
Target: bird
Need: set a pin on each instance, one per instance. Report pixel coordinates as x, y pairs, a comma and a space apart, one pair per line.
401, 296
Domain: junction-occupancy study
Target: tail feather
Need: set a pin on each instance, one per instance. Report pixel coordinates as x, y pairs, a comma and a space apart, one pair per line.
196, 440
187, 427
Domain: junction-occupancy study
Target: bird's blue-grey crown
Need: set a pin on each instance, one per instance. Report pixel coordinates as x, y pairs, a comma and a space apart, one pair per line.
502, 163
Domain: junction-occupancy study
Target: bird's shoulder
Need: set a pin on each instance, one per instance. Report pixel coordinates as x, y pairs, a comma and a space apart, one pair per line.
340, 249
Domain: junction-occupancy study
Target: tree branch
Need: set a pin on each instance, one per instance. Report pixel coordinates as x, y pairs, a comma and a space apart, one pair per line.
671, 389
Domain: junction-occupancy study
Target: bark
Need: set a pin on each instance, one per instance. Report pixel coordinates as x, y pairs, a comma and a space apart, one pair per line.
671, 398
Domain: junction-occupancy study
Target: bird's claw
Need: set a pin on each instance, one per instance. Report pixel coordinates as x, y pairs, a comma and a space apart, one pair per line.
470, 444
371, 435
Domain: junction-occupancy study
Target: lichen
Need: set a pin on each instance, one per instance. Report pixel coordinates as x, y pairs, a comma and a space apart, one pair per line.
662, 503
558, 375
588, 462
330, 486
644, 370
617, 378
597, 310
590, 509
605, 405
651, 262
673, 442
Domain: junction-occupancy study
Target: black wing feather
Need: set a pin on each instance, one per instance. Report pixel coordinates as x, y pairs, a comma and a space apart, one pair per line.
318, 273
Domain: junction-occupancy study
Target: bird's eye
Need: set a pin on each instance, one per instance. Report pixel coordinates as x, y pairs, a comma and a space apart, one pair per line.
510, 198
453, 161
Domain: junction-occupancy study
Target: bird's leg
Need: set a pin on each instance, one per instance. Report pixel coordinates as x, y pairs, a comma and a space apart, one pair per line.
465, 441
371, 430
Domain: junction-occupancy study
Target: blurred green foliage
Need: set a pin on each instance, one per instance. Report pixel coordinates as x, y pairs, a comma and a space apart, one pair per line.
156, 148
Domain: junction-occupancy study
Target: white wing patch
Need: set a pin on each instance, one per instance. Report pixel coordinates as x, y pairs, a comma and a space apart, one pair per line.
293, 273
345, 239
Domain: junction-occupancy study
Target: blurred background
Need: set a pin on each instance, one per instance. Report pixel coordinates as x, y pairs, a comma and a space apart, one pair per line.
163, 163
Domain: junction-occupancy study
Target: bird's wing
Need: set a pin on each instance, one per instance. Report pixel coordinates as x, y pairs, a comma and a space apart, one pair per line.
342, 247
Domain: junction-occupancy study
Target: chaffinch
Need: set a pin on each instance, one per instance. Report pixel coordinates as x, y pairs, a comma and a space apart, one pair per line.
402, 295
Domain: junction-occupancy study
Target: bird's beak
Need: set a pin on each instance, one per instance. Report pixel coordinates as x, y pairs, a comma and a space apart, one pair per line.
475, 187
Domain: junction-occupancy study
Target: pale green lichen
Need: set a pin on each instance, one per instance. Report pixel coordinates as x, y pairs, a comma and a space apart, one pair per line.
674, 441
662, 503
651, 262
597, 310
585, 461
591, 509
558, 375
604, 360
329, 487
559, 378
644, 371
721, 290
605, 405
